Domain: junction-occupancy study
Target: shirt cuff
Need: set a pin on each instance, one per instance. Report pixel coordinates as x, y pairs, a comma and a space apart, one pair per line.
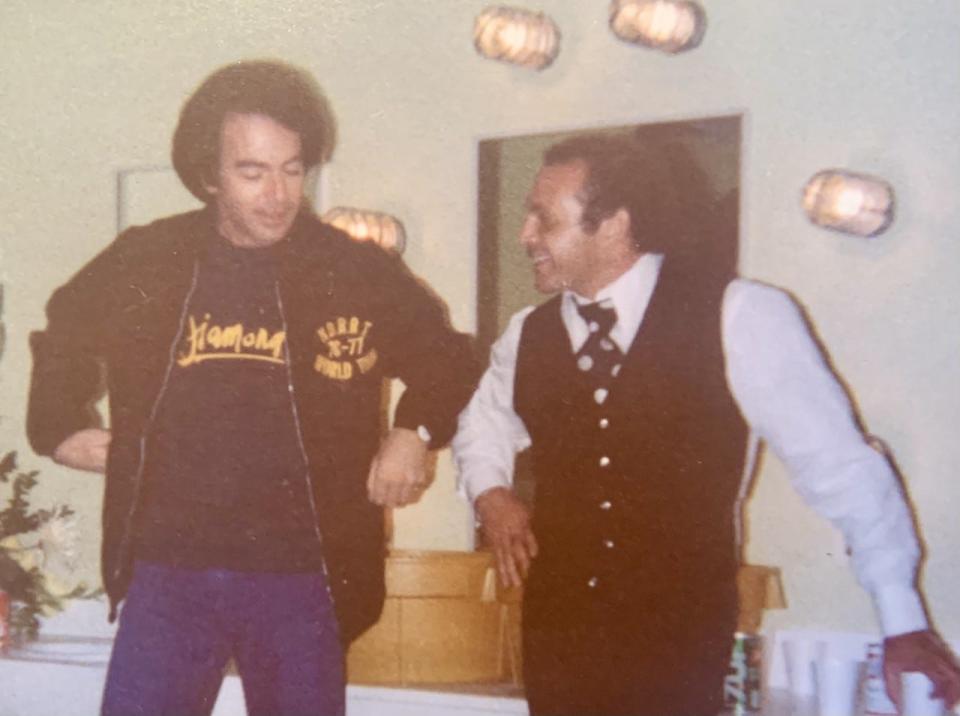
474, 485
900, 610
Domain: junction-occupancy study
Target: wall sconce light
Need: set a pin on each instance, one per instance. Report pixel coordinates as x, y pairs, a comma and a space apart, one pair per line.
852, 203
522, 37
668, 25
383, 229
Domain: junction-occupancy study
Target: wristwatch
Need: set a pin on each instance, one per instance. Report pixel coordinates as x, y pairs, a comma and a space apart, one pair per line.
424, 434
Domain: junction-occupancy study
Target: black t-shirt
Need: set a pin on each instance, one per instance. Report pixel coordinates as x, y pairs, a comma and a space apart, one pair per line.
225, 481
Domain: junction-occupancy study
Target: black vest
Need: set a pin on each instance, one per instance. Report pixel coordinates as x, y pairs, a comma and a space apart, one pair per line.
653, 524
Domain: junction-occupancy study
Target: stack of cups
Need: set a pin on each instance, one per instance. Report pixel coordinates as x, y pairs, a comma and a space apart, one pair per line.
917, 696
824, 676
839, 680
800, 654
875, 699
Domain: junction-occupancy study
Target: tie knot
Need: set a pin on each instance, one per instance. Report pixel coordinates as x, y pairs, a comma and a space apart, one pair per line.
603, 317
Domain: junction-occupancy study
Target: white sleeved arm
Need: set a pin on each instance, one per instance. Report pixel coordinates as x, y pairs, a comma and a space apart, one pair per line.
490, 433
792, 400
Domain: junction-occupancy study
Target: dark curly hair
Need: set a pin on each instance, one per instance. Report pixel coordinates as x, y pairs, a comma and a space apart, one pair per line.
661, 185
280, 91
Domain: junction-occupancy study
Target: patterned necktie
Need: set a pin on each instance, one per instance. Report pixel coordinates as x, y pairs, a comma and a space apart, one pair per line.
599, 357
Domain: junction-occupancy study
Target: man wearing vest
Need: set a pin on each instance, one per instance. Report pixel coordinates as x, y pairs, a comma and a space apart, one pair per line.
641, 388
244, 347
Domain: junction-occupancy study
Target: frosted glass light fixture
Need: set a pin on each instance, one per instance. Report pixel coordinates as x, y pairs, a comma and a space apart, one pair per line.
522, 37
363, 225
668, 25
848, 202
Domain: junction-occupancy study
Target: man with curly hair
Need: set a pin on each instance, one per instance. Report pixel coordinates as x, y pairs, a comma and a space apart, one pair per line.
244, 347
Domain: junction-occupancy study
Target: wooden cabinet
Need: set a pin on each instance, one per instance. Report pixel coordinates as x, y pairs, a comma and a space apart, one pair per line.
446, 620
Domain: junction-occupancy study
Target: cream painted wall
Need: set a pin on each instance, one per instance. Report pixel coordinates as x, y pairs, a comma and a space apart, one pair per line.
90, 88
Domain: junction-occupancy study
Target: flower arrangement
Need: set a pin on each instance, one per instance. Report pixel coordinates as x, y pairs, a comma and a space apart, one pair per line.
38, 549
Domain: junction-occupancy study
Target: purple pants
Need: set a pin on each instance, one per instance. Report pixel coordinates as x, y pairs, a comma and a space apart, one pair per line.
179, 628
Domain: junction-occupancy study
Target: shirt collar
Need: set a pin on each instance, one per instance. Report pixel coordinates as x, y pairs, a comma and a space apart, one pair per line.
629, 294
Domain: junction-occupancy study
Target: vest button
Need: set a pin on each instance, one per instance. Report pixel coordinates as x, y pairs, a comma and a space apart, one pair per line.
604, 423
604, 461
606, 505
608, 543
592, 582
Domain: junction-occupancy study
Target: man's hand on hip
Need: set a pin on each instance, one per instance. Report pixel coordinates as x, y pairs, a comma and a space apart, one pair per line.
921, 651
84, 450
398, 474
506, 525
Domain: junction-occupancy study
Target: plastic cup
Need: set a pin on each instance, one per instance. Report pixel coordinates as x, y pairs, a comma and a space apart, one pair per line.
917, 699
838, 685
799, 654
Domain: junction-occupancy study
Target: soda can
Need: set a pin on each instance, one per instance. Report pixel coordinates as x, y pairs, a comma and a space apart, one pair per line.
4, 619
742, 687
875, 699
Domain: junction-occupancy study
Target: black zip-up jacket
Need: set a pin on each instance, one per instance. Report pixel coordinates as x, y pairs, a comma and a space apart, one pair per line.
353, 315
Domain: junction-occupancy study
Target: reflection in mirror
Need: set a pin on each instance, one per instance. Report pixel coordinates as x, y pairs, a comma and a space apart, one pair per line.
705, 164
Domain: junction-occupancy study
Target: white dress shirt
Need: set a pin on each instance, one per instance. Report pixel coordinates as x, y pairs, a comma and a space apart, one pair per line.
787, 394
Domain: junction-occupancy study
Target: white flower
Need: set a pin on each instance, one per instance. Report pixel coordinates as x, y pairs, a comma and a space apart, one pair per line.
58, 539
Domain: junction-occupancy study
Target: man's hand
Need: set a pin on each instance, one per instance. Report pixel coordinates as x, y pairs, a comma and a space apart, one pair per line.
506, 525
921, 651
398, 474
84, 450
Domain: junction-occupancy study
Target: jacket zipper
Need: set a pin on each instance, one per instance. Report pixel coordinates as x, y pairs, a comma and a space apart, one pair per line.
138, 477
308, 473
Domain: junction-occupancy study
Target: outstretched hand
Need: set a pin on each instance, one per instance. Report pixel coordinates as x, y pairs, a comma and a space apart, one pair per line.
506, 526
84, 450
921, 651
